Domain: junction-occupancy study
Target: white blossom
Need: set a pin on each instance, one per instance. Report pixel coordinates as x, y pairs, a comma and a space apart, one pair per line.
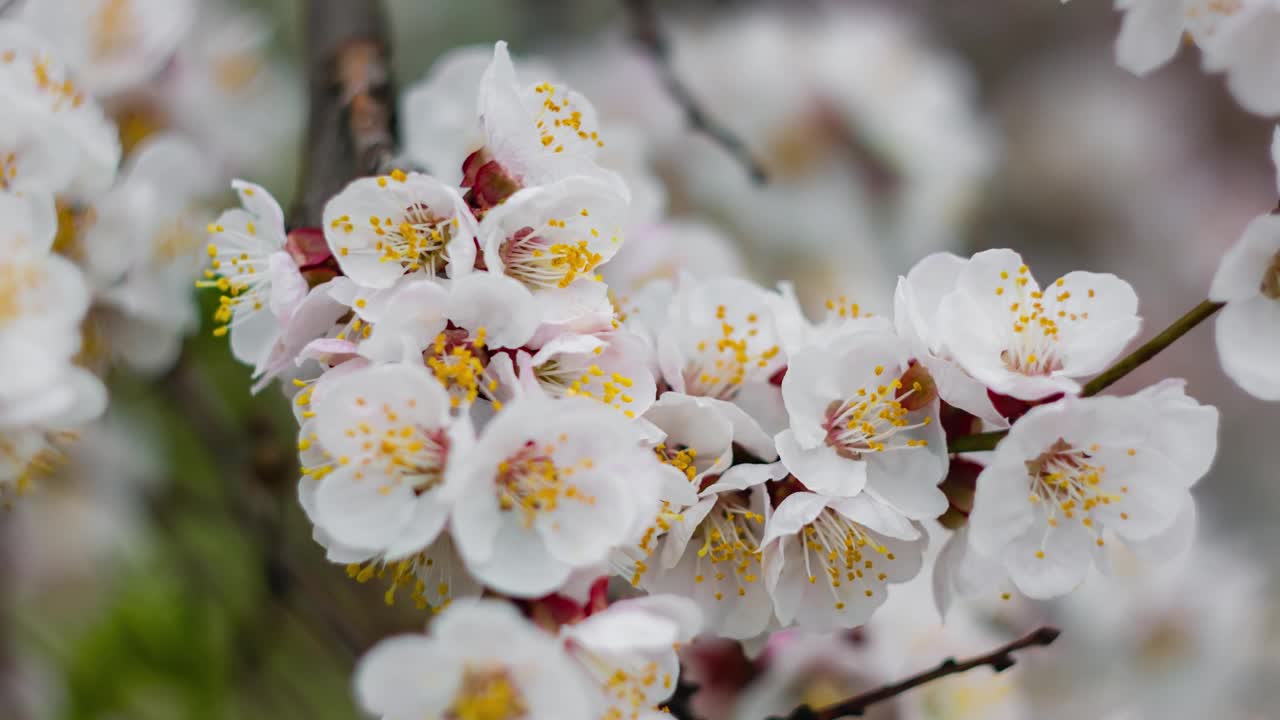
1243, 47
381, 228
114, 45
552, 238
142, 248
389, 433
712, 553
860, 420
1074, 472
917, 305
629, 651
43, 300
542, 133
612, 367
224, 88
828, 562
719, 340
1018, 340
481, 661
551, 486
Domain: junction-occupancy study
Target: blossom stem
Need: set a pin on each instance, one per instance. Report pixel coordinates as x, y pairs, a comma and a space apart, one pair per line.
648, 33
999, 660
1152, 347
987, 441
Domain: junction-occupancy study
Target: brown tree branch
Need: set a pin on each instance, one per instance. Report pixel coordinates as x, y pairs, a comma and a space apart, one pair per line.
351, 126
647, 31
999, 660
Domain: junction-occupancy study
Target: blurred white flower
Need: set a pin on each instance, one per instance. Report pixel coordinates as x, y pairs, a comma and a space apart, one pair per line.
1243, 47
552, 238
1248, 281
223, 88
1149, 641
142, 249
667, 249
904, 638
712, 553
35, 80
481, 660
629, 651
114, 45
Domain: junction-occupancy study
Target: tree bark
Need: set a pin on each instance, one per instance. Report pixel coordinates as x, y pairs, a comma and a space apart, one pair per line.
351, 128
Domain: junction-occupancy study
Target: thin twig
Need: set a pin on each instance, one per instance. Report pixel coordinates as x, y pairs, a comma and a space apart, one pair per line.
647, 31
1198, 314
351, 118
1152, 347
999, 660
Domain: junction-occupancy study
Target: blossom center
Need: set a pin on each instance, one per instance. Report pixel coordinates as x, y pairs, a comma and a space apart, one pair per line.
627, 686
1063, 480
531, 482
412, 572
458, 363
843, 551
17, 280
541, 263
870, 420
722, 363
419, 241
679, 457
486, 694
729, 539
1271, 279
8, 169
64, 94
234, 72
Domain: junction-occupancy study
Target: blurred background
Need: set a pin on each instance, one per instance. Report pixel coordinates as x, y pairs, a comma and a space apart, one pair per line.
165, 569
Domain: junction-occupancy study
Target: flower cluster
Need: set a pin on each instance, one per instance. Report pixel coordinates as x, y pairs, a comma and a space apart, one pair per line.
481, 413
102, 177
